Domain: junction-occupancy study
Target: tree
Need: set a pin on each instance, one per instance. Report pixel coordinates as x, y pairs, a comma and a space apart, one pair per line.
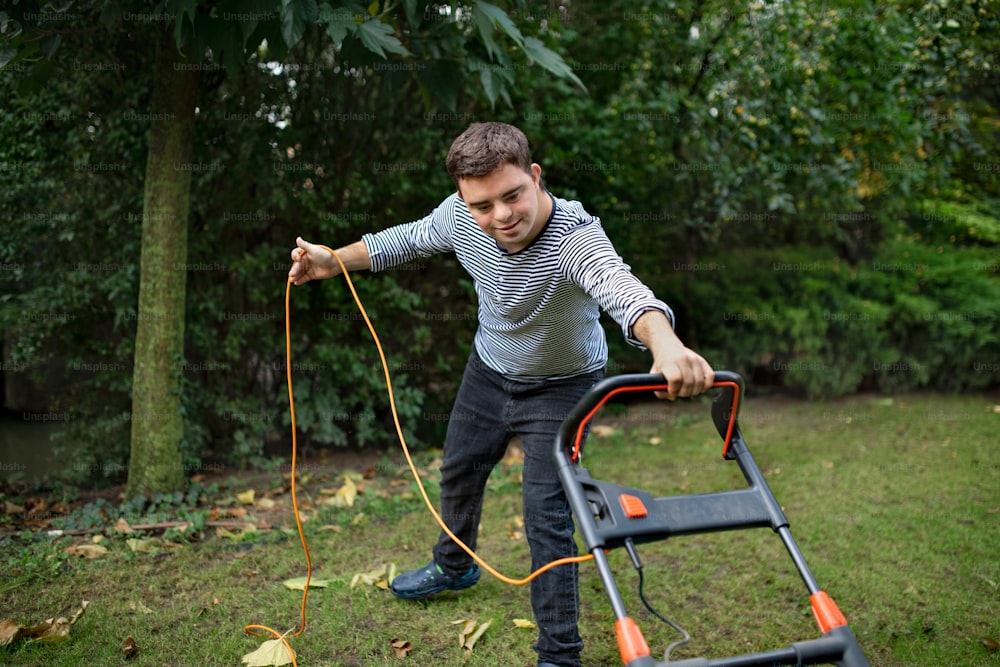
186, 33
157, 421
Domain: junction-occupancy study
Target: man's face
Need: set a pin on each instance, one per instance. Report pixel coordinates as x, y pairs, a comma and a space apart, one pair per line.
508, 204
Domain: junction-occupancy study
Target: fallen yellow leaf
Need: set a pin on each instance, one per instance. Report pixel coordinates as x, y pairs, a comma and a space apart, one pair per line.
470, 633
471, 640
344, 496
271, 652
524, 623
299, 583
88, 550
381, 576
245, 498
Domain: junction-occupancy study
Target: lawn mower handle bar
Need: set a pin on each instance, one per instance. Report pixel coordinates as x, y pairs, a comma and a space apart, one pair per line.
725, 405
837, 647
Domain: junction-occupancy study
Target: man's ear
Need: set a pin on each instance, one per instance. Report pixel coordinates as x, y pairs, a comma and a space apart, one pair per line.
536, 173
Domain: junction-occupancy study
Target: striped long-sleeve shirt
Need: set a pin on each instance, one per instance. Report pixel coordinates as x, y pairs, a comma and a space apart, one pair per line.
538, 307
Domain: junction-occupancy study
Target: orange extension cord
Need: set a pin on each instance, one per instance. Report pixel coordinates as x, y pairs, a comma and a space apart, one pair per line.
255, 629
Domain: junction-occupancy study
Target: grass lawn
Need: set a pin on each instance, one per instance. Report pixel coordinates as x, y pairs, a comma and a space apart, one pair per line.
895, 503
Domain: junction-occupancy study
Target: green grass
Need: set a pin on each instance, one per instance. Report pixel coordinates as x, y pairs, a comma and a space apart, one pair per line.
894, 502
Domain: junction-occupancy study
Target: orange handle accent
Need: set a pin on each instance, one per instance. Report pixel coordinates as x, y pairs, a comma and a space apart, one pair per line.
578, 442
631, 643
827, 613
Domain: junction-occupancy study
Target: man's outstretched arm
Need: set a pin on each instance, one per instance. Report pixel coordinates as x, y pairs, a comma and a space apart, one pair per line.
686, 371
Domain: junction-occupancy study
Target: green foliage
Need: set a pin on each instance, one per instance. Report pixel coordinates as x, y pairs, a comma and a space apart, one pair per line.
951, 221
802, 318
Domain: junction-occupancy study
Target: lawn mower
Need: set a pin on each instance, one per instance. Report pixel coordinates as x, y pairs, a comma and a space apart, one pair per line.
610, 516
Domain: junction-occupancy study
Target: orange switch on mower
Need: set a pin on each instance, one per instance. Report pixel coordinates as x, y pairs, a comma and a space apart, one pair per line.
634, 509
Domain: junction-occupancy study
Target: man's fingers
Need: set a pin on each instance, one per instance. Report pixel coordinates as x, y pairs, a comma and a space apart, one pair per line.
299, 272
686, 378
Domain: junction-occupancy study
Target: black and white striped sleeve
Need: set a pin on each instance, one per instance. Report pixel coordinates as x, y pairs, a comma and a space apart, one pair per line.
403, 243
591, 261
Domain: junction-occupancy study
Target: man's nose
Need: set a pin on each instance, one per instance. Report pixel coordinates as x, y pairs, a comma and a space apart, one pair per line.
502, 212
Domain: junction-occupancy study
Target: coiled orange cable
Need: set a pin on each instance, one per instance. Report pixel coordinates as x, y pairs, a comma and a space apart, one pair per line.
252, 629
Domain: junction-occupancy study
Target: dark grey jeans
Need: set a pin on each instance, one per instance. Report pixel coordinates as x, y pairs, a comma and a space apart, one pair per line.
489, 410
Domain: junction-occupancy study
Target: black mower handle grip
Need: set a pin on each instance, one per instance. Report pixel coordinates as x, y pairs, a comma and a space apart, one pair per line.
725, 406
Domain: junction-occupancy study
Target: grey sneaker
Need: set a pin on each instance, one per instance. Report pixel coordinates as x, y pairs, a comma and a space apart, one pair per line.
430, 580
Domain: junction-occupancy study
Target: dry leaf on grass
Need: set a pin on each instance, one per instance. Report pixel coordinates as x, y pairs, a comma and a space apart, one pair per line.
602, 431
470, 633
129, 649
87, 550
342, 497
53, 630
272, 652
299, 583
9, 632
245, 498
380, 577
524, 623
400, 647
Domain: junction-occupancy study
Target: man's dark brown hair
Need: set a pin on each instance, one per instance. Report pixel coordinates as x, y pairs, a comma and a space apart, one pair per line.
485, 147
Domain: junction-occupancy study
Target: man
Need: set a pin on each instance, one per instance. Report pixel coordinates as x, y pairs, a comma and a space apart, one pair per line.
542, 267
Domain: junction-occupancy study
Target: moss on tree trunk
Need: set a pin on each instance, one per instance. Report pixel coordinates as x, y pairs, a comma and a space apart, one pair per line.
156, 465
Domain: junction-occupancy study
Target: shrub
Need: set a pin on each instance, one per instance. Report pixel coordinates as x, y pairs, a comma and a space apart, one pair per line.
915, 316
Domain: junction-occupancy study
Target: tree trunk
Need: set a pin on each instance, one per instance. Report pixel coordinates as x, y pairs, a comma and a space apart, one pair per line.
156, 465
